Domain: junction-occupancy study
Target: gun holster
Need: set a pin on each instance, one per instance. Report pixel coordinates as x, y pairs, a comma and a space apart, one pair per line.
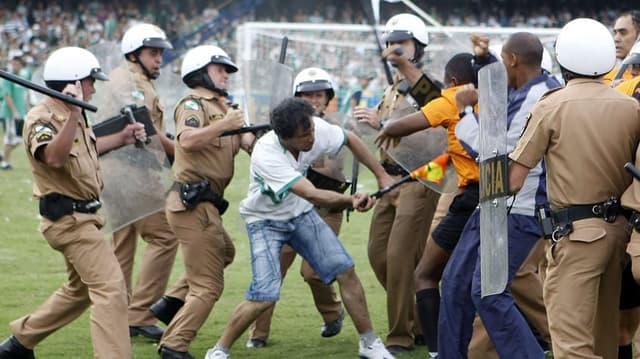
195, 192
54, 206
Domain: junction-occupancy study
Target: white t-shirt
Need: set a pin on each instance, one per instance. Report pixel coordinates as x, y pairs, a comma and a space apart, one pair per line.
274, 170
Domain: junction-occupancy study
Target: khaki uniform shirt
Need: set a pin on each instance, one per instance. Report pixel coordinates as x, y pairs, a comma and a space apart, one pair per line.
140, 91
391, 99
215, 161
586, 132
79, 178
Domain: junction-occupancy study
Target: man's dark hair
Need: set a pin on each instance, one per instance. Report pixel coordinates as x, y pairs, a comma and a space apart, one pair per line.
635, 18
290, 115
460, 68
526, 46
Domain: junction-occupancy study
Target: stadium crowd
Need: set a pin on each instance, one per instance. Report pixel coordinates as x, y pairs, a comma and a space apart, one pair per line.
37, 27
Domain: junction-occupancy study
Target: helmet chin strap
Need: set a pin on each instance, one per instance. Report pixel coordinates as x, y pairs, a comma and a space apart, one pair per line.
149, 74
208, 83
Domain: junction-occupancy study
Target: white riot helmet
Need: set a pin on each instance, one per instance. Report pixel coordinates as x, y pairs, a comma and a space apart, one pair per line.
406, 26
144, 35
633, 58
313, 79
70, 64
195, 62
585, 47
201, 56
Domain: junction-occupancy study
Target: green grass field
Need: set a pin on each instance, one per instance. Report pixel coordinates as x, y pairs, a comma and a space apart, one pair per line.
30, 271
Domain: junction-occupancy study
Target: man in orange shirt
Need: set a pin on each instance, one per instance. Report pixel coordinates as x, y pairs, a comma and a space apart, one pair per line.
443, 112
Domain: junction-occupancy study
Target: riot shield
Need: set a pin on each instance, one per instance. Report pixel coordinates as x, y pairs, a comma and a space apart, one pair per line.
266, 84
136, 177
171, 90
419, 148
494, 261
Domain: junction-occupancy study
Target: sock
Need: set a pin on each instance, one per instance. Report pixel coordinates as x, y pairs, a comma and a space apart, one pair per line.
625, 352
221, 348
368, 338
428, 305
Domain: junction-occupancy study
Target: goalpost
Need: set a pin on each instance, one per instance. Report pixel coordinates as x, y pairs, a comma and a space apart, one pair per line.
346, 50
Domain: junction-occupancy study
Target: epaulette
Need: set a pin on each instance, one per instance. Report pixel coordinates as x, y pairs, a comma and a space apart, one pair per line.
549, 92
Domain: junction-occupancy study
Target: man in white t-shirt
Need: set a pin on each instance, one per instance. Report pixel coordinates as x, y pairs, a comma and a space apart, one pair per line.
279, 209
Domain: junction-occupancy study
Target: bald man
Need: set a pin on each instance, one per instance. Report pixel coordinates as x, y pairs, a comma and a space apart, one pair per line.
461, 294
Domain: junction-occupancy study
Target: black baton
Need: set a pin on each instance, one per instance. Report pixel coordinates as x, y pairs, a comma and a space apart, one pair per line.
47, 91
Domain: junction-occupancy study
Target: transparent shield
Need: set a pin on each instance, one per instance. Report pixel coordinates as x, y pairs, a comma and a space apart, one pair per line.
492, 85
419, 148
265, 85
136, 179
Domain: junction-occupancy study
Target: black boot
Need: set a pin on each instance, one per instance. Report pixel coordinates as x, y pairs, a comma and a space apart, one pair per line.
168, 353
12, 349
166, 308
148, 331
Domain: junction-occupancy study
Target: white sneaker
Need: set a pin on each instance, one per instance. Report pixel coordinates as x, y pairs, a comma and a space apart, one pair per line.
376, 350
215, 353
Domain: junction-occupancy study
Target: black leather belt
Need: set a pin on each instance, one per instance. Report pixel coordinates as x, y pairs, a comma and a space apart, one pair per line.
193, 193
394, 169
56, 205
607, 210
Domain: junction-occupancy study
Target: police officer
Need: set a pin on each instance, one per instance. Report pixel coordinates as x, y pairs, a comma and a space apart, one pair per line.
203, 168
142, 46
393, 249
508, 328
316, 86
585, 132
63, 154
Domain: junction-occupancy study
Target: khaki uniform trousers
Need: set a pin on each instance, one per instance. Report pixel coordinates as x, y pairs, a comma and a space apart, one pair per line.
397, 236
324, 296
526, 289
95, 281
206, 249
157, 262
582, 289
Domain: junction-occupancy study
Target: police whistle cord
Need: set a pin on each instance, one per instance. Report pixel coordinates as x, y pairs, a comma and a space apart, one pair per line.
254, 129
635, 172
47, 91
127, 111
433, 171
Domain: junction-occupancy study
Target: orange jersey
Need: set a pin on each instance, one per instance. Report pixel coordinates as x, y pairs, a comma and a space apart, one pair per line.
609, 77
443, 112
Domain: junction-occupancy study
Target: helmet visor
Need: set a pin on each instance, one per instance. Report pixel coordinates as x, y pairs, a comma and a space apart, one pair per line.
397, 35
98, 74
311, 86
632, 59
157, 42
223, 60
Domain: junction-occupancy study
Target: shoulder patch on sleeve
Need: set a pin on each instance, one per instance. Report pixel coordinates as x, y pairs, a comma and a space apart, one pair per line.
138, 95
192, 122
191, 105
43, 133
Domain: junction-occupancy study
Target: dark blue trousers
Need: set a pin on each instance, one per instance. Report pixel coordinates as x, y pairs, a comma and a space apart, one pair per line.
460, 295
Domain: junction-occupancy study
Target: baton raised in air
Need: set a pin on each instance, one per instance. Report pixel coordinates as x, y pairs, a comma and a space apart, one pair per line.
47, 91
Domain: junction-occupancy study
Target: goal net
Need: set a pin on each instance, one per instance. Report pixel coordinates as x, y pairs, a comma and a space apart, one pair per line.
347, 51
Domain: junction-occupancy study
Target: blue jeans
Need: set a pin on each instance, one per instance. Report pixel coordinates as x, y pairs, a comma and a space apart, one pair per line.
460, 299
309, 236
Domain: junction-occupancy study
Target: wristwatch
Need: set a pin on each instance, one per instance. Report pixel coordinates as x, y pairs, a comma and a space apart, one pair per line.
466, 111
